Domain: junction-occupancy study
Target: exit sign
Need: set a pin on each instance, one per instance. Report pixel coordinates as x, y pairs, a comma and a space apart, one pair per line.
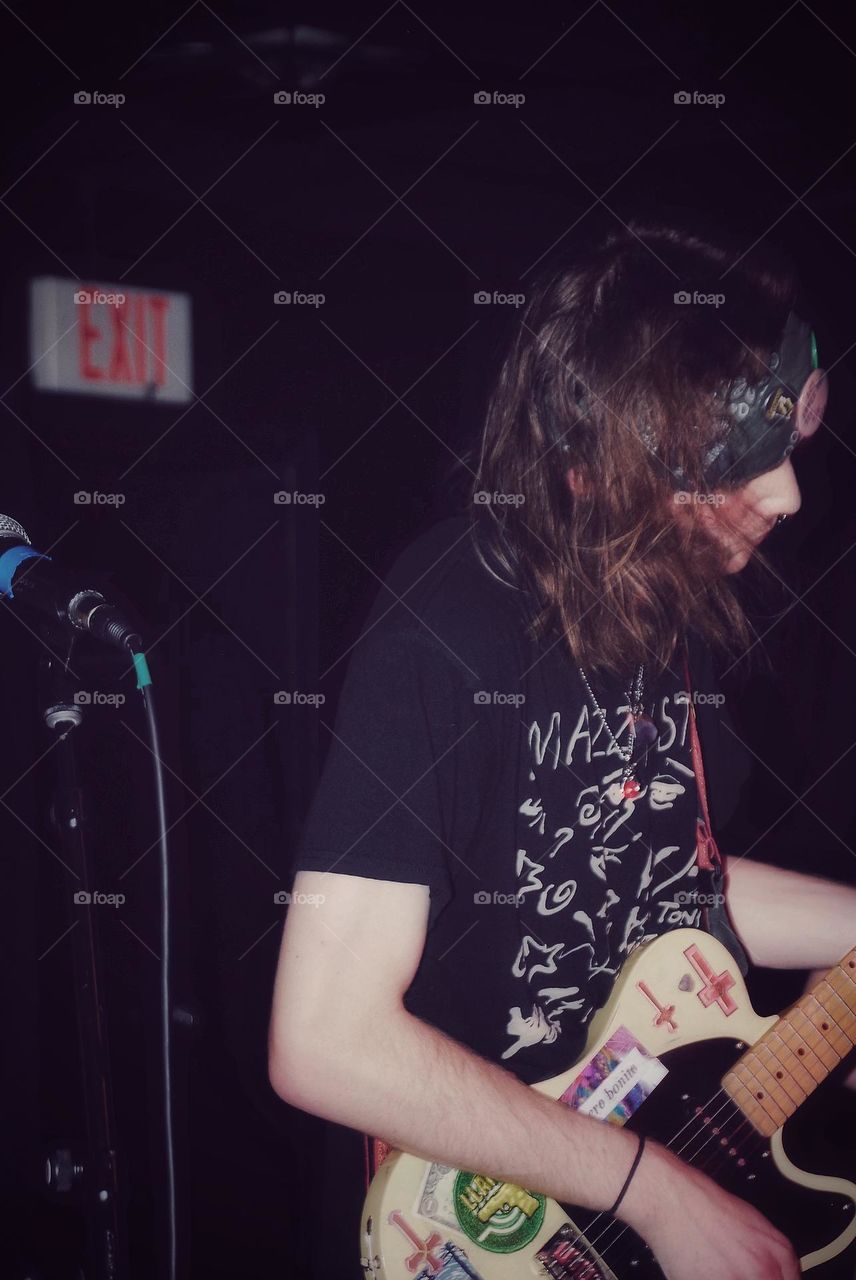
110, 340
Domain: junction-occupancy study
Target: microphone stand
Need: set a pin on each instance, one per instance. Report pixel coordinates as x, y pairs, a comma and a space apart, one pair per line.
106, 1240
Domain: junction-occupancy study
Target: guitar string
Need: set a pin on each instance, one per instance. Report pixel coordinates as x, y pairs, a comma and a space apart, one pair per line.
796, 1101
736, 1142
734, 1139
739, 1142
594, 1241
726, 1144
669, 1144
613, 1222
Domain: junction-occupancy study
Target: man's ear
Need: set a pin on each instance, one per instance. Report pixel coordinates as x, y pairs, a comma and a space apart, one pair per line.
575, 480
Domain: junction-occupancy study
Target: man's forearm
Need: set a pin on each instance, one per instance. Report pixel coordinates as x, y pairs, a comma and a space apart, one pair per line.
789, 920
410, 1084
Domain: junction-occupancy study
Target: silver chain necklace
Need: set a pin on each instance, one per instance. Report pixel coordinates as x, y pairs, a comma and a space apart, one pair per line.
642, 729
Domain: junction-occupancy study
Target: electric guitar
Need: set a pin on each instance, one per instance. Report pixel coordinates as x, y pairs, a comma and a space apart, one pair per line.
678, 1053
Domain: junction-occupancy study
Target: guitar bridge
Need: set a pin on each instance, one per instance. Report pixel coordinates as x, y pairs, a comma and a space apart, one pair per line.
567, 1255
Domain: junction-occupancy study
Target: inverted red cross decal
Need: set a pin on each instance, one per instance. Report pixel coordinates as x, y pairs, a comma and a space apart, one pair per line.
423, 1250
665, 1013
717, 985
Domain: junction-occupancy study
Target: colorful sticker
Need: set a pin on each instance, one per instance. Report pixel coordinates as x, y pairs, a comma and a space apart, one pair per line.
498, 1216
616, 1081
455, 1266
568, 1249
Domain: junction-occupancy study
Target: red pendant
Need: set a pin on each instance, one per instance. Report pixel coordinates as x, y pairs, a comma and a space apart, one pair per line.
631, 788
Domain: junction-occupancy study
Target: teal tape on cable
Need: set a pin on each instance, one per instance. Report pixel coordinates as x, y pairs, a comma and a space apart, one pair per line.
141, 667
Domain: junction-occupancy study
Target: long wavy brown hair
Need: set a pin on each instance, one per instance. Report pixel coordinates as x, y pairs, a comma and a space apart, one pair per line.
611, 372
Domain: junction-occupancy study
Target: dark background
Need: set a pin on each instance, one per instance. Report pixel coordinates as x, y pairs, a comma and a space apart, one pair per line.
398, 199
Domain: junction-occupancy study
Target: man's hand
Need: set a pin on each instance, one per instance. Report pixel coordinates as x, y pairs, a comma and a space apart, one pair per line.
698, 1231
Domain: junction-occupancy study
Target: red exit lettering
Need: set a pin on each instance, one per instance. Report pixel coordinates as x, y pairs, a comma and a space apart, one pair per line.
123, 340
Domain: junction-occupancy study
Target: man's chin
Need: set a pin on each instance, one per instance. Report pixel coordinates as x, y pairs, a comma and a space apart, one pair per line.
738, 560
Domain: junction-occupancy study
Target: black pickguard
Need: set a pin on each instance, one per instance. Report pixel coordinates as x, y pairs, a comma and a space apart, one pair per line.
810, 1219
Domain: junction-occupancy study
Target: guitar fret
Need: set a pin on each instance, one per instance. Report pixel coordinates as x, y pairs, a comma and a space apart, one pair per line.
815, 1038
844, 986
803, 1050
843, 983
751, 1108
822, 1020
789, 1060
845, 1018
767, 1092
787, 1078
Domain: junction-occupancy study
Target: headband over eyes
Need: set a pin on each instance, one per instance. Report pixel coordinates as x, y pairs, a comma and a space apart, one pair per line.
763, 423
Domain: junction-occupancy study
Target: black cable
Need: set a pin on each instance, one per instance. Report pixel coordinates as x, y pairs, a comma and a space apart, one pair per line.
166, 998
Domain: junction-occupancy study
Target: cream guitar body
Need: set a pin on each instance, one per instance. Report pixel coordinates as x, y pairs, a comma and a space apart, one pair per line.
677, 1053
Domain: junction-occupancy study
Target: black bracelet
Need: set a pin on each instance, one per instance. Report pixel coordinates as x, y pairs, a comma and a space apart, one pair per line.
629, 1177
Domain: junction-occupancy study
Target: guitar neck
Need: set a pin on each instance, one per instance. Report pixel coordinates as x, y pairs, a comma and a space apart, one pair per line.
773, 1078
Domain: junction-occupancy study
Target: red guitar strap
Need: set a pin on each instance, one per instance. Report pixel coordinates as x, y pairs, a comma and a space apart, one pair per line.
708, 855
376, 1151
707, 852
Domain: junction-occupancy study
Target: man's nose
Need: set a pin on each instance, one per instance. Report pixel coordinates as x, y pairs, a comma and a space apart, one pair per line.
788, 499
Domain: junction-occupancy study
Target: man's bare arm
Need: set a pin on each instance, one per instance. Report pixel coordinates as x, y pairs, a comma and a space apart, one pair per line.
788, 920
343, 1046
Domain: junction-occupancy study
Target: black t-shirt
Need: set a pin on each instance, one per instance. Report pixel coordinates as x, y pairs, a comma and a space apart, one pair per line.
469, 758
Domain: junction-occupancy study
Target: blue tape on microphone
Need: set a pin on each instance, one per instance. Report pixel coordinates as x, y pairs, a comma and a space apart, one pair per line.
9, 562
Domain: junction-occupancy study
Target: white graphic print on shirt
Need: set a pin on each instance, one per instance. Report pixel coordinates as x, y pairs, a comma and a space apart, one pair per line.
587, 882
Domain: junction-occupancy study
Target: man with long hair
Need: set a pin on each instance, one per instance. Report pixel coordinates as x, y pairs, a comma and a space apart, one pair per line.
511, 802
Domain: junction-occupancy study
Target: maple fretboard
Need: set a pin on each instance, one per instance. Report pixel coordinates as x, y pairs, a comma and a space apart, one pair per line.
790, 1060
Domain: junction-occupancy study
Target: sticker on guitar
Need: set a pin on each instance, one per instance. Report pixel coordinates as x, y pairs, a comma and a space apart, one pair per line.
455, 1266
717, 985
496, 1215
616, 1080
442, 1261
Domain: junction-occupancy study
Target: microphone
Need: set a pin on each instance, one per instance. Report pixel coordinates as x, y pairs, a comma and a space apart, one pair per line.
31, 578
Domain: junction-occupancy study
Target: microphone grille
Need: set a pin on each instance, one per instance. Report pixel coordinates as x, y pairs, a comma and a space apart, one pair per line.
10, 528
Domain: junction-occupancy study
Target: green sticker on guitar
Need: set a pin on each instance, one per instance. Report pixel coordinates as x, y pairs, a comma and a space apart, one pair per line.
498, 1216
